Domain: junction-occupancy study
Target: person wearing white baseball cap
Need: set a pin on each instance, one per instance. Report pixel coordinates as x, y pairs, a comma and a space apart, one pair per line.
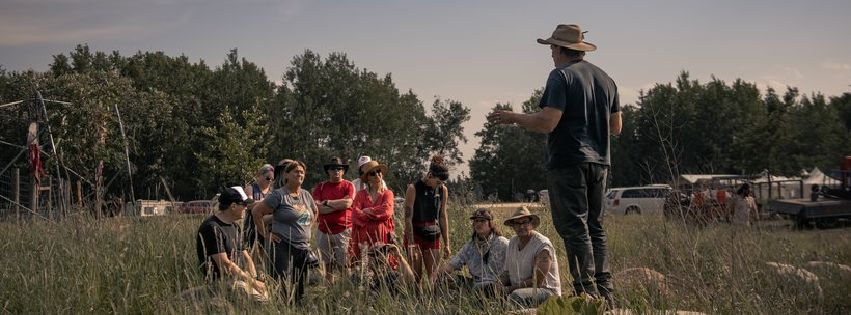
219, 246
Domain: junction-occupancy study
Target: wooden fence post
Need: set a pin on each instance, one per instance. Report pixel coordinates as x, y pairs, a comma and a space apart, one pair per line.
34, 195
80, 193
50, 208
17, 195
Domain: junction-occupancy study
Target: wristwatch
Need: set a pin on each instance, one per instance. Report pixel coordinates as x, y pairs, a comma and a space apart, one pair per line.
325, 203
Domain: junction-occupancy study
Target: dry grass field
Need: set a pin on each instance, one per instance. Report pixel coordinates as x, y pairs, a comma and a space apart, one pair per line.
131, 265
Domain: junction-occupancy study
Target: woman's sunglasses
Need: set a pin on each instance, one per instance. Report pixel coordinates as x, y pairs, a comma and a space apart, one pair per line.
374, 173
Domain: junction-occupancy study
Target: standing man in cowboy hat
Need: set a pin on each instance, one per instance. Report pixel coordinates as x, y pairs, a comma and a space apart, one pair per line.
580, 110
334, 197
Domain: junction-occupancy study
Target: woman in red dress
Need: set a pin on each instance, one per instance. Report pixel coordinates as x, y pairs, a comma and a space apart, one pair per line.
372, 212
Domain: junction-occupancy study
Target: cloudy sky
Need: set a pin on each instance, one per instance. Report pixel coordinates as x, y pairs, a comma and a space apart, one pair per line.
478, 52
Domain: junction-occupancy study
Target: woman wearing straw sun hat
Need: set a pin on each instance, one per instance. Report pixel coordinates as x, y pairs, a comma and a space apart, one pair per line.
372, 211
530, 275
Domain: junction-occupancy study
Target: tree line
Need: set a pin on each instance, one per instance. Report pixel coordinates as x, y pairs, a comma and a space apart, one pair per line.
685, 127
197, 128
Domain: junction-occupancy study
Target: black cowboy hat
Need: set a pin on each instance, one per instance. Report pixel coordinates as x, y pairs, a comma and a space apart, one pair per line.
336, 161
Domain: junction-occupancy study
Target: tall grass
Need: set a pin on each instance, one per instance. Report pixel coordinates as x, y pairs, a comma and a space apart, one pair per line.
125, 265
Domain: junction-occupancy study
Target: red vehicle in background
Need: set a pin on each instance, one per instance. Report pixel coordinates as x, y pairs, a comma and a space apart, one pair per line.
199, 206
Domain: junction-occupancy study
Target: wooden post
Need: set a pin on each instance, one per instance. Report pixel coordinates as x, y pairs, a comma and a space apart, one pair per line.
34, 195
80, 193
97, 201
66, 197
17, 195
50, 208
98, 190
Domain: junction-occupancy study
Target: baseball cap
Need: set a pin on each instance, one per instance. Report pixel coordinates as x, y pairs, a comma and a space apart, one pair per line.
234, 194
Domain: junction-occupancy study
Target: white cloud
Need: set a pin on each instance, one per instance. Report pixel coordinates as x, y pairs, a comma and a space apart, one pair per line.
836, 66
794, 72
767, 82
629, 94
26, 23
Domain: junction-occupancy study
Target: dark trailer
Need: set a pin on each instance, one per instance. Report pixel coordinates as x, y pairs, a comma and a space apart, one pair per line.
827, 208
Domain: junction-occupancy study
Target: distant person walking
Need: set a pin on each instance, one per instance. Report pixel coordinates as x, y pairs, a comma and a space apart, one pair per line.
580, 110
744, 206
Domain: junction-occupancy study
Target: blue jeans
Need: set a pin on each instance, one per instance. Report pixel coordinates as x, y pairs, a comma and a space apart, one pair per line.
576, 198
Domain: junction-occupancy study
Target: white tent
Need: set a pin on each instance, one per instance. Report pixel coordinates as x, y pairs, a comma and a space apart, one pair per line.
705, 178
816, 176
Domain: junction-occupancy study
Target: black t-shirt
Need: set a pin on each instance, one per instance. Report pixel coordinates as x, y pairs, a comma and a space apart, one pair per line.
587, 96
215, 236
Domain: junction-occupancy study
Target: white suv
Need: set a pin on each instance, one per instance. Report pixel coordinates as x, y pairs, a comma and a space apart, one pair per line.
637, 200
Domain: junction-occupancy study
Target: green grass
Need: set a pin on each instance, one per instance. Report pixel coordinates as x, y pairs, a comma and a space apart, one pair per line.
125, 265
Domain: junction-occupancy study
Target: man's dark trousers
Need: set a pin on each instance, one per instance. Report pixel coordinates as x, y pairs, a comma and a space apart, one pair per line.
576, 198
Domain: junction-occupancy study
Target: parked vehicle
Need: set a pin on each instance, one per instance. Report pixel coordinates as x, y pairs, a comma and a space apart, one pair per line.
199, 206
637, 200
827, 208
147, 208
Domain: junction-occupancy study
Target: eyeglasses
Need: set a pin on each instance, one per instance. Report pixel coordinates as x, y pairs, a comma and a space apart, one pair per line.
336, 168
480, 220
374, 173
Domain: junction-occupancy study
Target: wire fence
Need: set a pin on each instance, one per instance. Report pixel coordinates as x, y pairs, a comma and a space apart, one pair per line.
52, 199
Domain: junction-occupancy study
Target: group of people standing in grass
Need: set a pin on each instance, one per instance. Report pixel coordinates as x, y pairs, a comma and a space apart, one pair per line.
579, 112
356, 237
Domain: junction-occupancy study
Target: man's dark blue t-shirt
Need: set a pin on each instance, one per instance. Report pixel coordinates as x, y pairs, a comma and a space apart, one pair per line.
587, 96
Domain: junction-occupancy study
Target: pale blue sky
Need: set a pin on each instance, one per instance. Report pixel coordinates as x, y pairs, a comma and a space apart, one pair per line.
477, 52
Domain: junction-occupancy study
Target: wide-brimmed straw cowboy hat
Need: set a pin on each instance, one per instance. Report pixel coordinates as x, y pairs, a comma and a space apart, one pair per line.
570, 36
371, 166
523, 212
336, 162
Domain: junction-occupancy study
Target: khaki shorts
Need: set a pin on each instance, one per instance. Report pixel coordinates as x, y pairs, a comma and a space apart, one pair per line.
334, 248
